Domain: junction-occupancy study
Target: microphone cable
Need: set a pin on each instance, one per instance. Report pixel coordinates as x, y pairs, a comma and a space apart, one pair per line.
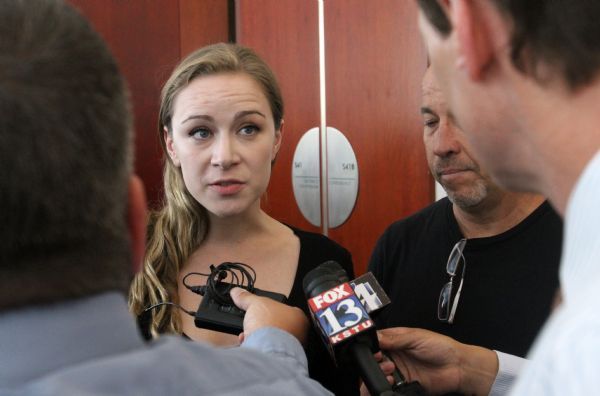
242, 275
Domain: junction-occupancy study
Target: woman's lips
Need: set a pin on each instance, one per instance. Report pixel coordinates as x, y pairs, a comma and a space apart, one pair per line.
227, 187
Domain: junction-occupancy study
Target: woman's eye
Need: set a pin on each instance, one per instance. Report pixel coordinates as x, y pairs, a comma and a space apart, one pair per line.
249, 130
200, 133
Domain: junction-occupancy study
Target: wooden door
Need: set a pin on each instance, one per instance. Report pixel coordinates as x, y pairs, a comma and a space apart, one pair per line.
285, 34
374, 63
374, 60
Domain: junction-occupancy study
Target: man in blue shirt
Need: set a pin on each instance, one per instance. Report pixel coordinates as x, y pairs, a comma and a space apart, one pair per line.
73, 222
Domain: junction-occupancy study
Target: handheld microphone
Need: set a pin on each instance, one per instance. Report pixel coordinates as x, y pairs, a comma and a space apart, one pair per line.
344, 324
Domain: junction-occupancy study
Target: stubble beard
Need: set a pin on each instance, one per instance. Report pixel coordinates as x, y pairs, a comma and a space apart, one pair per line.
470, 197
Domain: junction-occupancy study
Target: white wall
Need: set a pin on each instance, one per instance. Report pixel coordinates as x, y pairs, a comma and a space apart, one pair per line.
439, 191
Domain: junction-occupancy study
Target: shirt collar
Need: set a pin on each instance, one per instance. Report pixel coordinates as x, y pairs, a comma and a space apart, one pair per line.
581, 247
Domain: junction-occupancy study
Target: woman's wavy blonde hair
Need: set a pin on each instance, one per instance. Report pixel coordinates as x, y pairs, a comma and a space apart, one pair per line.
178, 229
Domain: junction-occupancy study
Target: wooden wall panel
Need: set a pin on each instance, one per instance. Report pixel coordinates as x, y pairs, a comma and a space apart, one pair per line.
145, 51
147, 38
203, 22
285, 34
374, 63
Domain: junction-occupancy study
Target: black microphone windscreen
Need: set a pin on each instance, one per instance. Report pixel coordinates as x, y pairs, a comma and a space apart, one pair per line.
322, 278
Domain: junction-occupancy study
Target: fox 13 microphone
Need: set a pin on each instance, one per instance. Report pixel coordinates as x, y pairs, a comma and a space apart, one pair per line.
346, 328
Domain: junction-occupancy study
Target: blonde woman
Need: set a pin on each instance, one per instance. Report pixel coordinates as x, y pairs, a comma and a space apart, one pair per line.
221, 125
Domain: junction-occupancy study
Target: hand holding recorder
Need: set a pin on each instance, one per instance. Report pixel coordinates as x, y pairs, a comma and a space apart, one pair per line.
266, 312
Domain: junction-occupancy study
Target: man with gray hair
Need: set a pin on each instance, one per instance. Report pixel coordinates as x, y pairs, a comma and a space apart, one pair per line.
73, 222
480, 266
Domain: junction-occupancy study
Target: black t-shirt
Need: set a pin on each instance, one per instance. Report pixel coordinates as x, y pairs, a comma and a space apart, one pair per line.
314, 250
509, 285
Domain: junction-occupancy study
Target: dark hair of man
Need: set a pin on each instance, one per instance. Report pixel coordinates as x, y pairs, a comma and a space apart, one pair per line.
64, 157
560, 34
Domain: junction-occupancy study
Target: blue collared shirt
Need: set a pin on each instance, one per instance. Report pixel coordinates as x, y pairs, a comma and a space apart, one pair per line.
92, 346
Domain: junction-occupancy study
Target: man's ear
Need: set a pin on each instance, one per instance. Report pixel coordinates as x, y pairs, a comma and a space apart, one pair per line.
475, 44
137, 210
169, 145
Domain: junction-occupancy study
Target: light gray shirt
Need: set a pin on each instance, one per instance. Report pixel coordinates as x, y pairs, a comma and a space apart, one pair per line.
92, 346
566, 358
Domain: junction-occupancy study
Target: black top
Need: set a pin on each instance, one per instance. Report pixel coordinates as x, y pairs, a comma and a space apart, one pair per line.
314, 250
510, 279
